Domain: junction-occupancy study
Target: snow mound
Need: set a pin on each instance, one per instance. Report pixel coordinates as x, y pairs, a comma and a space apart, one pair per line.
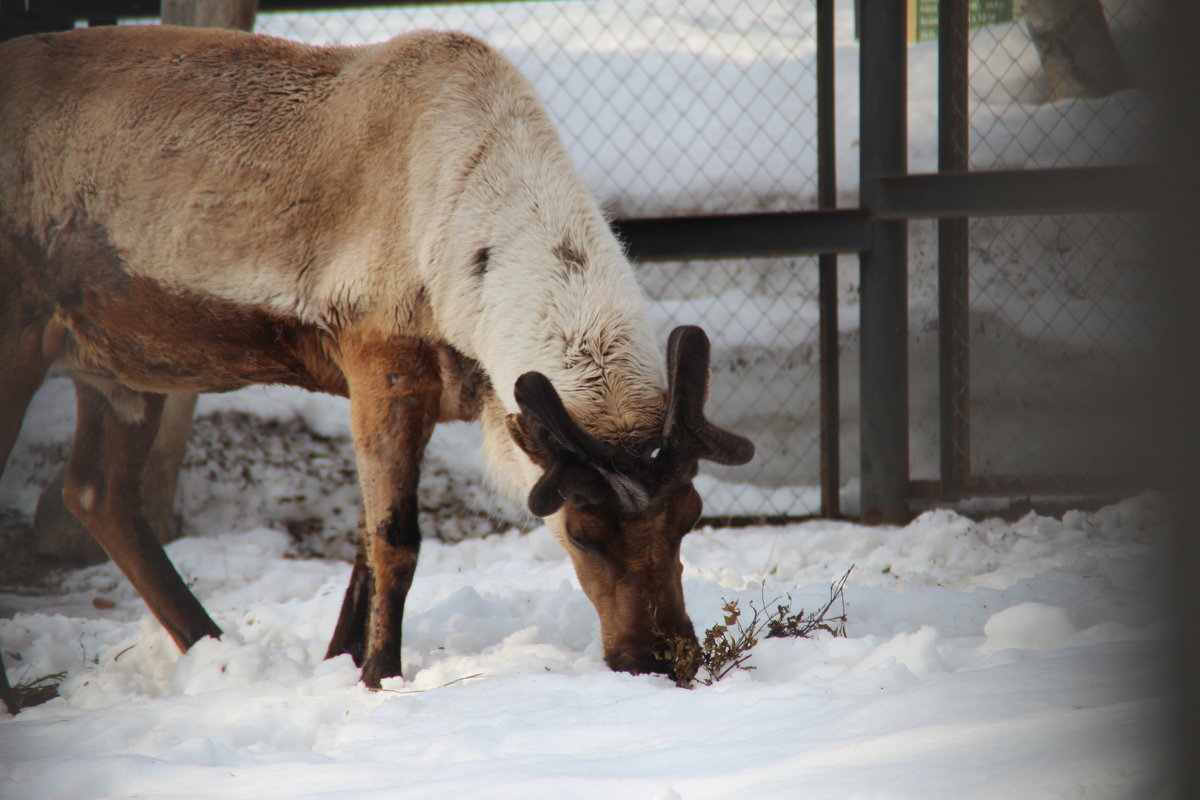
1029, 626
982, 659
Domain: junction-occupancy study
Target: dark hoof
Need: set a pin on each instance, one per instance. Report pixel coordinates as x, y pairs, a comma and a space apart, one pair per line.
377, 669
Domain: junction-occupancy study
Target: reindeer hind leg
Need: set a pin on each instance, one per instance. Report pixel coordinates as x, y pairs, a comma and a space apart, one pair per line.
25, 355
26, 342
103, 488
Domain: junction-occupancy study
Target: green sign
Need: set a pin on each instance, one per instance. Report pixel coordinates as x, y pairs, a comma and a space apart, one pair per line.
923, 16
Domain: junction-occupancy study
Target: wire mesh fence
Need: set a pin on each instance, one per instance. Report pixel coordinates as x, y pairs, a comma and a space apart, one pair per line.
1057, 343
666, 107
1030, 110
1057, 304
709, 106
673, 108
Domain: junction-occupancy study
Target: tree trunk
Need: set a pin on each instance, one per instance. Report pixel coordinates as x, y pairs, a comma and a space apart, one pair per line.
1076, 47
237, 14
57, 533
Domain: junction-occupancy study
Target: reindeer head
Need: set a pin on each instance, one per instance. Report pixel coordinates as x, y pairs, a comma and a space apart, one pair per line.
626, 507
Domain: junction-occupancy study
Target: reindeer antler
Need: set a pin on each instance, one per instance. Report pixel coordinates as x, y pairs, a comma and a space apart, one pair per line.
688, 436
588, 471
577, 465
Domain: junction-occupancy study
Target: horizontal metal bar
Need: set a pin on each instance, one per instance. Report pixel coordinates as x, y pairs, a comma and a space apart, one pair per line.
1026, 486
351, 5
1068, 190
744, 235
81, 9
91, 9
749, 521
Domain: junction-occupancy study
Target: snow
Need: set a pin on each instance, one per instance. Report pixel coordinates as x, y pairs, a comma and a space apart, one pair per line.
982, 658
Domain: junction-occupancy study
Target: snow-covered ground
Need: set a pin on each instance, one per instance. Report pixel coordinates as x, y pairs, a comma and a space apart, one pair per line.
981, 658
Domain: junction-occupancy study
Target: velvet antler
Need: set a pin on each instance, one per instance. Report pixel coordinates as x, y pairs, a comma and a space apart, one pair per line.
578, 466
587, 471
688, 436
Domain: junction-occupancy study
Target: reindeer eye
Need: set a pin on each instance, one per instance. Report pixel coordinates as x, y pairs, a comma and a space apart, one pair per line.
690, 510
583, 543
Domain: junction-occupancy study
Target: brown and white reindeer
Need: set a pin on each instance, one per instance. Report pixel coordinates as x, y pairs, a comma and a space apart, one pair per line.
197, 211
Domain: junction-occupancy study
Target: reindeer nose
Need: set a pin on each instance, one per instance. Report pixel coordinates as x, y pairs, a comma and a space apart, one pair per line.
652, 659
637, 663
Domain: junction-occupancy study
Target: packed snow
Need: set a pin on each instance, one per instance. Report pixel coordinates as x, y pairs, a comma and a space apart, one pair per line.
982, 658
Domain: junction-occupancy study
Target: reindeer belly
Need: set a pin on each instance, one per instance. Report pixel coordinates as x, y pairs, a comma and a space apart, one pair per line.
154, 339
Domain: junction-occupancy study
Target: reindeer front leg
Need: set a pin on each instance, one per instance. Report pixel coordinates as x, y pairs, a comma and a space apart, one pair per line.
395, 391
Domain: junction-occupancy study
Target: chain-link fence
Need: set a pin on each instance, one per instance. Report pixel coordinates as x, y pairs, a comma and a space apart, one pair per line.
673, 108
666, 107
1057, 305
709, 106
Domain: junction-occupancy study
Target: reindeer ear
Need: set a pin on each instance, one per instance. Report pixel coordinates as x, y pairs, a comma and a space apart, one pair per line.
687, 435
565, 481
530, 447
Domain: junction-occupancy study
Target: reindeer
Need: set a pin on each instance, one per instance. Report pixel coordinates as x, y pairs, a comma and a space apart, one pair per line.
198, 211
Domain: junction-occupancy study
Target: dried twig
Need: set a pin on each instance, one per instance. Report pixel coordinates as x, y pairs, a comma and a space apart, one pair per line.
727, 645
38, 691
443, 686
782, 624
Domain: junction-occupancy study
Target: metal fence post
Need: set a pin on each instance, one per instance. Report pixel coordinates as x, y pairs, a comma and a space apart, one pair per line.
831, 469
883, 138
954, 323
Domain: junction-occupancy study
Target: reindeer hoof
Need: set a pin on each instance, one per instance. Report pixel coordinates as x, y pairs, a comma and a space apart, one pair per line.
377, 669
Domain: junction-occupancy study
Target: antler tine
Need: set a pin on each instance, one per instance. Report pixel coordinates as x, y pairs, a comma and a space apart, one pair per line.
687, 374
540, 404
577, 464
687, 434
